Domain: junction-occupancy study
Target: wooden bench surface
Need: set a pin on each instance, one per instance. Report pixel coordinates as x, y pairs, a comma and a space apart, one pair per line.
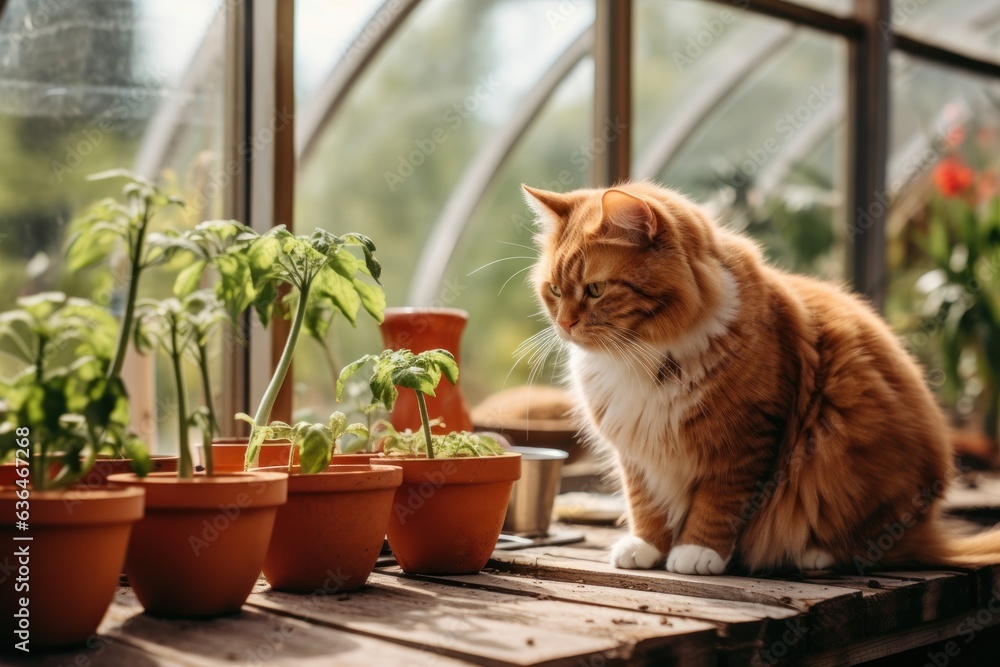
563, 605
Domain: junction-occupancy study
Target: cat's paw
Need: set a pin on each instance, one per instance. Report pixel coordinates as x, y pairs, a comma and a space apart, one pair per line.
694, 559
635, 553
815, 558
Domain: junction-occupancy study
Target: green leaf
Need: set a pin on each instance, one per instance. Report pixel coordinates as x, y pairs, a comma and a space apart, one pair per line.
443, 360
349, 370
188, 280
315, 443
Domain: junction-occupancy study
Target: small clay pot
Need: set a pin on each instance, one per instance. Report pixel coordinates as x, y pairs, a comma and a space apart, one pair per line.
447, 515
72, 561
328, 535
199, 549
229, 454
98, 474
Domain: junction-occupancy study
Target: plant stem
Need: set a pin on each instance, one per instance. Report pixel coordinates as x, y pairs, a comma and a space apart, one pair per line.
281, 370
426, 422
213, 425
185, 468
125, 332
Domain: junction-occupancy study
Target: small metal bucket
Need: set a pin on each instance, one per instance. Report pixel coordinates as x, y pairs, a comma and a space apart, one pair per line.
530, 510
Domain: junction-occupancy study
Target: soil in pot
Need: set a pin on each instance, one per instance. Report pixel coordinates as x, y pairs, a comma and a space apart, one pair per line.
74, 557
198, 551
328, 535
228, 454
447, 515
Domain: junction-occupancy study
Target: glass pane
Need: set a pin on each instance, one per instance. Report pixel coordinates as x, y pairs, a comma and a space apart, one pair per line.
944, 227
92, 85
966, 25
746, 114
444, 87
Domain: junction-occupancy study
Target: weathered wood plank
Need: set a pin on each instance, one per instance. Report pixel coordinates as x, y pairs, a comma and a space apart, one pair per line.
129, 638
962, 629
834, 615
491, 628
744, 628
894, 602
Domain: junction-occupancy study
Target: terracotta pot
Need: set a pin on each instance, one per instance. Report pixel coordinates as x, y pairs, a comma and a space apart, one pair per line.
419, 330
103, 467
357, 459
76, 552
98, 475
228, 454
328, 535
199, 549
447, 515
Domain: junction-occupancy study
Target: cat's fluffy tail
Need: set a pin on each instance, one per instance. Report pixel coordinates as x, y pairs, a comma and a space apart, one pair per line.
945, 546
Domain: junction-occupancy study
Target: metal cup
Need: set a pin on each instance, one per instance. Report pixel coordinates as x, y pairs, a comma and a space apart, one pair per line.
530, 510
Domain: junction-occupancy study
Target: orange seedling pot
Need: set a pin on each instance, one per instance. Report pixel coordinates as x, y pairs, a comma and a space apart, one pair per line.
228, 454
198, 551
328, 535
447, 515
68, 571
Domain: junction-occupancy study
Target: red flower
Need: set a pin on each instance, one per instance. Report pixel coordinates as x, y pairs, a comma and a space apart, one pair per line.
952, 176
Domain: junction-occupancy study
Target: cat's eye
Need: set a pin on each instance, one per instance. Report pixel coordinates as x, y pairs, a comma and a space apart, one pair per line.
555, 290
596, 289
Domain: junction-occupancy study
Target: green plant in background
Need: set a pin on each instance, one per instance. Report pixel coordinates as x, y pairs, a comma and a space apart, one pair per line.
322, 271
316, 443
179, 328
961, 303
62, 394
109, 223
422, 373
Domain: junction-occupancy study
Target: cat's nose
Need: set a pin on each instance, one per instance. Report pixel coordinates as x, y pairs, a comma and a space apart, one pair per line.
567, 324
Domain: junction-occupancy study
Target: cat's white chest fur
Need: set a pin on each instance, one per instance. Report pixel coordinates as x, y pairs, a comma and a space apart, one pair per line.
640, 418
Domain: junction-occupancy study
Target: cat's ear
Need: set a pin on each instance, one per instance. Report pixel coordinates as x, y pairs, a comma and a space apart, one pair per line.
550, 207
627, 218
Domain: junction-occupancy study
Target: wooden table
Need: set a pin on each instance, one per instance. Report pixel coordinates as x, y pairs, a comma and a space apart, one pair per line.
564, 605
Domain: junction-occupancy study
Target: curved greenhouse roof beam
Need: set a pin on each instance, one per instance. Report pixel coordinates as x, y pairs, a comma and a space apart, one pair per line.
469, 191
332, 93
161, 131
675, 132
798, 147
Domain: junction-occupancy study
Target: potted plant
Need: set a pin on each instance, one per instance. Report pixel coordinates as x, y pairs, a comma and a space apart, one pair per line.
321, 271
199, 549
449, 510
59, 410
330, 533
108, 224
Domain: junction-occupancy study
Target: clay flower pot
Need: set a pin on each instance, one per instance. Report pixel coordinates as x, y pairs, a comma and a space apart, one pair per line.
447, 515
98, 475
357, 459
419, 330
228, 454
199, 549
72, 562
328, 535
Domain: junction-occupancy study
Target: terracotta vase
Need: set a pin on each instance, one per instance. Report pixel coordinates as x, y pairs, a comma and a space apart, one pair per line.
447, 515
329, 534
75, 555
198, 551
419, 330
229, 454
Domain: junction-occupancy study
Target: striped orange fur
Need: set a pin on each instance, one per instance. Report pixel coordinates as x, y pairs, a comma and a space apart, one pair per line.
756, 417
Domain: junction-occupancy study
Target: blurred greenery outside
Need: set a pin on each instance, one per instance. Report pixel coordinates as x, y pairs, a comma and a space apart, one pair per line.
767, 155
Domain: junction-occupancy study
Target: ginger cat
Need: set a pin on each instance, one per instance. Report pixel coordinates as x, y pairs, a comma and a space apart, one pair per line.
756, 417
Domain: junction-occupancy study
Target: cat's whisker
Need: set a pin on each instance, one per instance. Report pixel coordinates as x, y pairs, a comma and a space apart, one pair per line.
497, 261
520, 245
527, 268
